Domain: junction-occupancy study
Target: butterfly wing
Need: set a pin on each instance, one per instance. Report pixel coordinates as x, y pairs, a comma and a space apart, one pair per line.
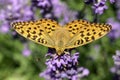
83, 32
39, 31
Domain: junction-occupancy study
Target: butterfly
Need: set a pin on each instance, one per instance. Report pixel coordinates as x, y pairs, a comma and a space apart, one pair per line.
49, 33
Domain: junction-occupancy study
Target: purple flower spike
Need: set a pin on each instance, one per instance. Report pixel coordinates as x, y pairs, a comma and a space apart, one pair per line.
63, 67
117, 58
44, 3
26, 52
55, 9
115, 33
12, 10
60, 9
112, 1
4, 28
116, 67
99, 7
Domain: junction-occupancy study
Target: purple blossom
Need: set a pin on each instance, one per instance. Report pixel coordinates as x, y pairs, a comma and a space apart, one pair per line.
118, 14
43, 3
100, 7
118, 4
64, 66
44, 6
116, 58
4, 28
16, 8
115, 33
112, 1
26, 51
60, 9
55, 9
12, 10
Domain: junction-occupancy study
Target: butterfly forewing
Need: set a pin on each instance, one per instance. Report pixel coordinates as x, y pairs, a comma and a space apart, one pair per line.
39, 31
83, 32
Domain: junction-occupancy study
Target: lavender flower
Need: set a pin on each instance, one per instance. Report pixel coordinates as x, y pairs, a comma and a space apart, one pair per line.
100, 6
118, 8
55, 9
118, 14
26, 51
64, 66
4, 27
44, 3
61, 10
118, 4
115, 33
112, 1
12, 10
116, 58
44, 6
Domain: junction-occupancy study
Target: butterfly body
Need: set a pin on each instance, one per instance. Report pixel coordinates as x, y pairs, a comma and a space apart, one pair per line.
60, 38
49, 33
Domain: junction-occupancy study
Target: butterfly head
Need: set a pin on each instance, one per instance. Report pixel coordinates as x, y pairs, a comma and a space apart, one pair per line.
60, 51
